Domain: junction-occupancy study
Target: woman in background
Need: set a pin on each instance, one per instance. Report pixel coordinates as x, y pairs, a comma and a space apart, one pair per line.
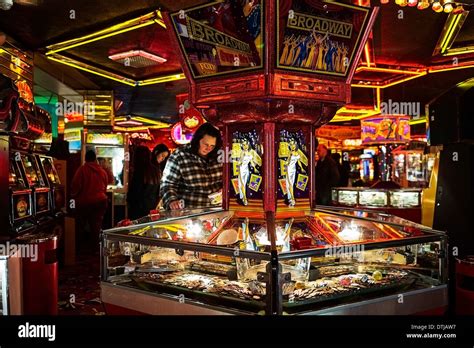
159, 156
144, 187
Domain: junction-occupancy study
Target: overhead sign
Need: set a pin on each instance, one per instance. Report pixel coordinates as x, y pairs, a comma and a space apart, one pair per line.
338, 132
221, 37
319, 36
385, 129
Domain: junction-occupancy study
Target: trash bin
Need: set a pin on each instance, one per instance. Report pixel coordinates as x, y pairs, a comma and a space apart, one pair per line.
465, 286
40, 273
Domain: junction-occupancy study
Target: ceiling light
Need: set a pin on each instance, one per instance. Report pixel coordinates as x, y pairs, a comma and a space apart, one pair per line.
137, 58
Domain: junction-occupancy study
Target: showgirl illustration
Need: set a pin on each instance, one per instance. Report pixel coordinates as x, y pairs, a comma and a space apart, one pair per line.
292, 160
246, 160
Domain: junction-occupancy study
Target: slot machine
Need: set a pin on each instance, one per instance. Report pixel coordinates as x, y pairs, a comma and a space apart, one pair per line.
39, 186
57, 190
21, 200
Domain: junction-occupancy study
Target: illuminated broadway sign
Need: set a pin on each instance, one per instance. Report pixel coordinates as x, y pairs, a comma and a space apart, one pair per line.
210, 35
319, 37
320, 25
221, 37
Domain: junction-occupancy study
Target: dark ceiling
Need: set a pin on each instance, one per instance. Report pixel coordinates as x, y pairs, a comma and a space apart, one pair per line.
400, 39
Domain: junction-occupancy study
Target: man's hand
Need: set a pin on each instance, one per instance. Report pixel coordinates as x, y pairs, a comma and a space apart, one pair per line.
175, 205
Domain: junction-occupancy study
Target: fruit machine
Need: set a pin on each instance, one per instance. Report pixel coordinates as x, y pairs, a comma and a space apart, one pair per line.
21, 198
43, 269
57, 190
24, 192
409, 167
367, 167
112, 150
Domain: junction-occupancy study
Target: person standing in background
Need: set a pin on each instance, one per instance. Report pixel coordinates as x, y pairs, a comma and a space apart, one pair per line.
106, 167
144, 187
159, 156
343, 170
327, 176
89, 192
193, 171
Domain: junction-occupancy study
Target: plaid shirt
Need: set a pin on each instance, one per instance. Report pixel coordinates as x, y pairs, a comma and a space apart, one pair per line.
190, 177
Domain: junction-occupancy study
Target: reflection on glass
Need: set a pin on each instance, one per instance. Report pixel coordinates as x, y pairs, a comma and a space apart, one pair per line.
373, 198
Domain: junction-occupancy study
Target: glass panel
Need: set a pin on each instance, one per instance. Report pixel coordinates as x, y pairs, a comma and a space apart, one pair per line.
50, 171
216, 279
415, 171
404, 199
112, 160
14, 176
348, 197
33, 174
343, 230
346, 275
373, 198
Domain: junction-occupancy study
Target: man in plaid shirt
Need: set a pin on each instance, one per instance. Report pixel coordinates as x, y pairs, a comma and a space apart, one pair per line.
193, 172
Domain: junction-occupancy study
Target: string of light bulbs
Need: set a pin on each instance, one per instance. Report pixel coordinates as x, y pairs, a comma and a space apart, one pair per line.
446, 6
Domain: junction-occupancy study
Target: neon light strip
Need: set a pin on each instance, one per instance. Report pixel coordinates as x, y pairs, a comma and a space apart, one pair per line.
161, 79
459, 51
450, 33
432, 70
145, 20
387, 70
423, 120
92, 71
138, 26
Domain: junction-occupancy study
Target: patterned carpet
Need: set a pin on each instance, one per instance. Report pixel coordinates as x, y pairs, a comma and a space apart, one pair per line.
79, 291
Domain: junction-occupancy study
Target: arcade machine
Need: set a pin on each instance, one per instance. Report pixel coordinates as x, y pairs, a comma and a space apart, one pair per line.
26, 195
408, 167
451, 125
269, 248
111, 150
367, 167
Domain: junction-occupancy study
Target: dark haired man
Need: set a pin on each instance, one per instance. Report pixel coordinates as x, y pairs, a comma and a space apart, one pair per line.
327, 176
193, 172
89, 191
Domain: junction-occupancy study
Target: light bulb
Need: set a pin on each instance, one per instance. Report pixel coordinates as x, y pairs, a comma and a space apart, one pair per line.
448, 8
423, 4
437, 7
458, 10
384, 1
412, 3
403, 3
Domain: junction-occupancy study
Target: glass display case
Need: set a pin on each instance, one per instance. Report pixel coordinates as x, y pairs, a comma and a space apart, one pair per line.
405, 198
409, 168
379, 198
217, 262
374, 198
348, 197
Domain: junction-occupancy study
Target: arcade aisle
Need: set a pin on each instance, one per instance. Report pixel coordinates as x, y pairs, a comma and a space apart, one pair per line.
287, 157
